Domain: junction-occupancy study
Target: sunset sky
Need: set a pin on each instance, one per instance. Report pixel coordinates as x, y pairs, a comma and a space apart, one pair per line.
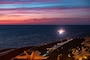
44, 12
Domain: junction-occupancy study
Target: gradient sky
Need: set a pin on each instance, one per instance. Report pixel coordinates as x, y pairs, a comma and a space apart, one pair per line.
39, 12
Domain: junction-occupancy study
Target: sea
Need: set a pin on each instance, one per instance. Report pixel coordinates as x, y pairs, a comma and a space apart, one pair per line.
14, 36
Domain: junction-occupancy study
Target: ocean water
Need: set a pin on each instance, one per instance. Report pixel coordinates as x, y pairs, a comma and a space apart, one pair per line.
12, 36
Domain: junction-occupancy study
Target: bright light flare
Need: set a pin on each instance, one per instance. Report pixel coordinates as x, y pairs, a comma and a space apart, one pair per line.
61, 31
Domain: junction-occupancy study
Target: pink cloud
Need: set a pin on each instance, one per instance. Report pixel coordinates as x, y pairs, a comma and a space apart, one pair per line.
13, 2
45, 16
48, 13
27, 1
49, 21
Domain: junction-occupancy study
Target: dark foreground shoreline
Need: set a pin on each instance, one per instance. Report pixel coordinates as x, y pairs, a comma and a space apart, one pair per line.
8, 54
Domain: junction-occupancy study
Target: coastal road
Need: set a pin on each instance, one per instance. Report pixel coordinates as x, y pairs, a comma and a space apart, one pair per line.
43, 48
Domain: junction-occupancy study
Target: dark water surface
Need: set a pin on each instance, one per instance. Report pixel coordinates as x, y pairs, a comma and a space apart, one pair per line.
26, 35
